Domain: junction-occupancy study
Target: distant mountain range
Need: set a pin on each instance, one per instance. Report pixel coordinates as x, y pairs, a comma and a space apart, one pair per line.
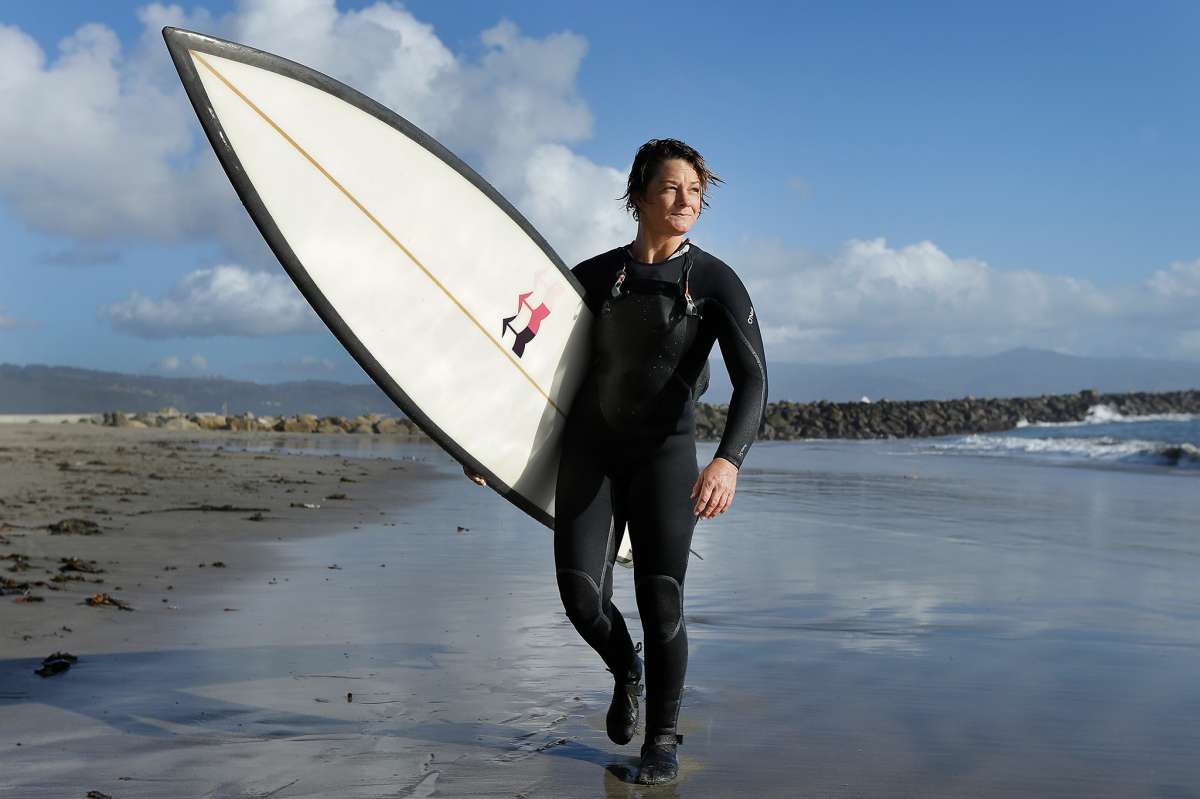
1016, 373
62, 389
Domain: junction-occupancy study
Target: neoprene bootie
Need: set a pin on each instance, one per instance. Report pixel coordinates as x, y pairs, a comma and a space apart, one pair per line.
623, 712
660, 762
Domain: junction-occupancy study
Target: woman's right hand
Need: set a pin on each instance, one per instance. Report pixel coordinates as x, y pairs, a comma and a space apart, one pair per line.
478, 479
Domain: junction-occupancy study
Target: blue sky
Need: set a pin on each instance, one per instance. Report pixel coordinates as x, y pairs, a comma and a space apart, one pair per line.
943, 178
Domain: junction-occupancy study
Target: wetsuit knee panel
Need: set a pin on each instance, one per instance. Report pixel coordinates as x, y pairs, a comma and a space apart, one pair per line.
660, 600
581, 599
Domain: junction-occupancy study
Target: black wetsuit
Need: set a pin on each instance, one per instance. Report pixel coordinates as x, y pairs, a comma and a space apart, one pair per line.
629, 450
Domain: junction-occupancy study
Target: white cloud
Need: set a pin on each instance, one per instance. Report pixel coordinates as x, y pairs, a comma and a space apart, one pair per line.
1179, 280
90, 153
106, 146
7, 321
196, 364
551, 190
223, 301
319, 364
872, 300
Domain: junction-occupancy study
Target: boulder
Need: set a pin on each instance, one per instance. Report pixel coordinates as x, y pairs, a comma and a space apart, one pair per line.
243, 423
389, 425
299, 424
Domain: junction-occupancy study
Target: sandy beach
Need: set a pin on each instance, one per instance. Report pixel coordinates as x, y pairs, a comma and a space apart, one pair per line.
166, 525
157, 520
873, 620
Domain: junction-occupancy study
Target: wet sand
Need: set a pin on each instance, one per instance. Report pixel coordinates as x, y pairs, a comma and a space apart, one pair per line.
185, 523
861, 626
165, 507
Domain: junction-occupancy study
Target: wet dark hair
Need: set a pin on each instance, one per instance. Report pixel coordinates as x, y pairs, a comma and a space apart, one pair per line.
645, 166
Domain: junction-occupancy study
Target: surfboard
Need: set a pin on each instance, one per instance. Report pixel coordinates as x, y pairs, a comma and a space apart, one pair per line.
439, 288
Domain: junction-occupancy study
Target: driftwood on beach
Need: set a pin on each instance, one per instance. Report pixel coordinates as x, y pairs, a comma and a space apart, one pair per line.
783, 420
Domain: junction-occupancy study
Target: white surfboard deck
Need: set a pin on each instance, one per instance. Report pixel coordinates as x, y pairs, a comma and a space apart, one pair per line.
447, 297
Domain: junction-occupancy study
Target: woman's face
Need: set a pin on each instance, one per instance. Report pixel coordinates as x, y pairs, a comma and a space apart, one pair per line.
671, 203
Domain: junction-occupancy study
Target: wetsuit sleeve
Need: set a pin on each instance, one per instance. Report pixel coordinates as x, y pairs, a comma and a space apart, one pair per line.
742, 349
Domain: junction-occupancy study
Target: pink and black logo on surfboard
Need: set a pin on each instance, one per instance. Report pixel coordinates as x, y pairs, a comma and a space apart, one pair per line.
534, 320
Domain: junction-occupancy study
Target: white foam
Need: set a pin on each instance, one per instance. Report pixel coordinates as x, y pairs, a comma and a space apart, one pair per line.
1101, 414
1106, 448
1107, 414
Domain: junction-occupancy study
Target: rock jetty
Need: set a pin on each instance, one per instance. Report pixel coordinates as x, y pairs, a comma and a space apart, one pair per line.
172, 419
783, 420
922, 418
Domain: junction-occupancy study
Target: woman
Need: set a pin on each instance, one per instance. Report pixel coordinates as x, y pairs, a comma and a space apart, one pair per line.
629, 451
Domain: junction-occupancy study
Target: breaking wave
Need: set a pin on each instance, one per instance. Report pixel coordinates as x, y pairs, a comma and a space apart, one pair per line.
1098, 448
1106, 414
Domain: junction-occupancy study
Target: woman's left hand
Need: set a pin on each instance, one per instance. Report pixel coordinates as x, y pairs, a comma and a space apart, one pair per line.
714, 488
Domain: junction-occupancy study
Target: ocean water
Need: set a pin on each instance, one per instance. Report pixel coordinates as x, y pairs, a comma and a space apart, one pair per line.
1015, 614
1104, 438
